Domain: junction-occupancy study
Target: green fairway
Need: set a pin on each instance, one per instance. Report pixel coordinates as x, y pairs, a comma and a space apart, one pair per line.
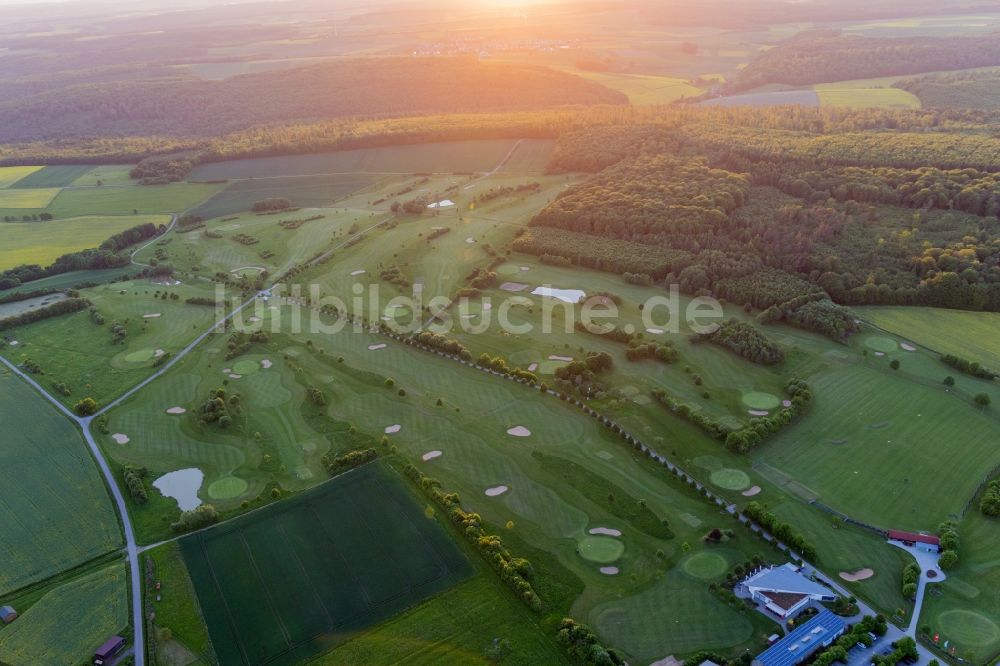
970, 335
10, 175
330, 574
64, 514
864, 421
42, 242
67, 624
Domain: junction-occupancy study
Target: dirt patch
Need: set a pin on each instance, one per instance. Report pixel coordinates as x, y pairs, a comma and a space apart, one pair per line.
855, 576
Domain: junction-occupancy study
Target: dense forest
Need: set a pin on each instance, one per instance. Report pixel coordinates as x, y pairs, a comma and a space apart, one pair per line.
352, 87
823, 56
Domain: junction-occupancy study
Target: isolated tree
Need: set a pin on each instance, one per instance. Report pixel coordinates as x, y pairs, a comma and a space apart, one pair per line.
894, 364
85, 407
949, 381
982, 400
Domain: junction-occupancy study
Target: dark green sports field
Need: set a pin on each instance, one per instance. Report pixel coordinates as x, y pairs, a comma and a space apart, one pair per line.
288, 582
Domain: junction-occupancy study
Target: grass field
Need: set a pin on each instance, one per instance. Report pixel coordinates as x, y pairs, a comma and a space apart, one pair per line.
970, 335
863, 94
303, 191
73, 279
54, 176
42, 242
177, 608
354, 551
68, 623
12, 174
445, 157
27, 198
60, 515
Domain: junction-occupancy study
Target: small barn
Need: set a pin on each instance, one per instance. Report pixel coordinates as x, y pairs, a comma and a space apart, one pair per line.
7, 614
925, 542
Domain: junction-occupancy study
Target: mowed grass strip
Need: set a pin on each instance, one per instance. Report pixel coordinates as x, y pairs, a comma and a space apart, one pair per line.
291, 581
67, 624
57, 511
11, 174
43, 242
39, 197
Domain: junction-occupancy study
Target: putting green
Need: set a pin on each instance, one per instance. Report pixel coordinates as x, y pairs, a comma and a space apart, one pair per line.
730, 479
508, 269
705, 565
227, 487
968, 628
600, 549
140, 356
761, 400
881, 343
246, 367
550, 367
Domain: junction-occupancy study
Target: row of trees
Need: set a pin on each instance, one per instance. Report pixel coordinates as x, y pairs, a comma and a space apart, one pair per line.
65, 306
968, 367
989, 504
782, 531
745, 340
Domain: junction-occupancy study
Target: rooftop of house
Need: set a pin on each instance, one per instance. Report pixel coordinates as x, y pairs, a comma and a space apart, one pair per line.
785, 579
802, 642
784, 600
916, 537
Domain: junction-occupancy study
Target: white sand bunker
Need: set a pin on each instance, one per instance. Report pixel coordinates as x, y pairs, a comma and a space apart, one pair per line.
253, 320
380, 345
750, 492
234, 375
226, 371
880, 353
151, 315
431, 455
470, 240
606, 531
389, 430
609, 571
183, 485
553, 357
519, 431
564, 295
14, 343
655, 331
360, 271
444, 203
757, 412
855, 576
513, 286
266, 363
532, 367
525, 268
907, 346
496, 490
158, 353
786, 403
176, 410
120, 438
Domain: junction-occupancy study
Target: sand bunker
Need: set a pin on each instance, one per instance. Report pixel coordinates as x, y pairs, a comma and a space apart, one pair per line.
487, 306
182, 485
553, 357
226, 371
786, 403
470, 240
655, 331
564, 295
380, 345
519, 431
151, 315
609, 571
607, 531
513, 286
750, 492
496, 490
176, 410
158, 353
532, 367
757, 412
266, 363
907, 346
431, 455
444, 203
14, 343
235, 375
389, 430
253, 320
880, 353
120, 438
855, 576
525, 268
360, 271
